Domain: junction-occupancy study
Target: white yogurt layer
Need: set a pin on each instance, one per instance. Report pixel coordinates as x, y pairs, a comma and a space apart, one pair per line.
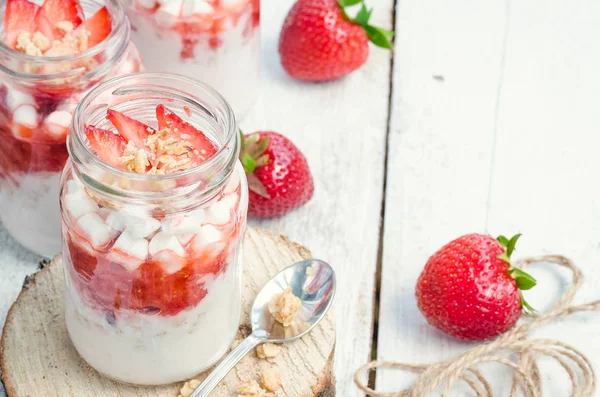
148, 349
232, 68
30, 211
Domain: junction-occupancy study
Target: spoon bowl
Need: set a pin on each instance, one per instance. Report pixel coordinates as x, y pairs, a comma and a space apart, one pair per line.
313, 282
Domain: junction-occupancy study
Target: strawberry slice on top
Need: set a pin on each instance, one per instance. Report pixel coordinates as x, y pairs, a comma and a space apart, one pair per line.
128, 128
106, 145
203, 147
99, 26
18, 18
52, 12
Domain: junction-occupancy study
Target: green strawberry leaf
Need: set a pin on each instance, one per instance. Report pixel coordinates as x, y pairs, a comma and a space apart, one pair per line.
526, 305
502, 240
363, 16
378, 36
256, 186
248, 162
348, 3
510, 246
524, 280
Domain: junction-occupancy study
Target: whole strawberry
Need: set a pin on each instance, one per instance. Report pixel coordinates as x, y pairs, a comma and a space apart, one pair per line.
470, 290
279, 179
320, 42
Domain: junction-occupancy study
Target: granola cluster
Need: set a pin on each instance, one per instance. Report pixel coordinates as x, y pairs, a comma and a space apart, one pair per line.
284, 307
37, 44
188, 388
162, 154
73, 42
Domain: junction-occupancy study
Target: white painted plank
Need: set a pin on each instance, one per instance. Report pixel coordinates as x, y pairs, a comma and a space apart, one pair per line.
340, 126
544, 180
447, 65
543, 164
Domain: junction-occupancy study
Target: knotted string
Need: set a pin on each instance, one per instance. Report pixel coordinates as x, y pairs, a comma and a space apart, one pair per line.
526, 375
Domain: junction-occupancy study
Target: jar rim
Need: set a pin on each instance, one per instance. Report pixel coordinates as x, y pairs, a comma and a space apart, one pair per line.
222, 156
118, 37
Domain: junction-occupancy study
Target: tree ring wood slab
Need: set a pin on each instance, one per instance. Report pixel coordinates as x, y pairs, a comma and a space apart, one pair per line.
38, 359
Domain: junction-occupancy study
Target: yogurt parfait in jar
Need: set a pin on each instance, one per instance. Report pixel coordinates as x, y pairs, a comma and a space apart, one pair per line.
51, 54
153, 205
216, 41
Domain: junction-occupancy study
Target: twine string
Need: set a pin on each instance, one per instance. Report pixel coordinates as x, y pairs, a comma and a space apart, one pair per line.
503, 350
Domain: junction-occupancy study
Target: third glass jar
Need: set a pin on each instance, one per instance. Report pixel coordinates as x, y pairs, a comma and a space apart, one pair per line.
215, 41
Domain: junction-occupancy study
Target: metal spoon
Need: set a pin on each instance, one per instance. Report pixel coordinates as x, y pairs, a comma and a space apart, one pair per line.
313, 281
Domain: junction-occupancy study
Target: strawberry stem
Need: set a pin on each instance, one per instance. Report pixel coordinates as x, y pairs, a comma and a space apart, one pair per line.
378, 36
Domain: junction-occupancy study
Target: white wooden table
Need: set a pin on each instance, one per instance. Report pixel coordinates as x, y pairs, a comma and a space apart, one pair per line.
485, 119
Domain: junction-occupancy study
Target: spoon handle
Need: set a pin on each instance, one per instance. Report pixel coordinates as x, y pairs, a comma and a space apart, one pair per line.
226, 365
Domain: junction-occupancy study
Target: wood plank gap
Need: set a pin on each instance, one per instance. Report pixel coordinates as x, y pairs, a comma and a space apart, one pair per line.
378, 269
497, 112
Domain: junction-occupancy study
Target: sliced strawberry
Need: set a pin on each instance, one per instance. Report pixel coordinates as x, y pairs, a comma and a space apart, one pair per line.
18, 18
99, 25
56, 11
106, 145
203, 147
128, 128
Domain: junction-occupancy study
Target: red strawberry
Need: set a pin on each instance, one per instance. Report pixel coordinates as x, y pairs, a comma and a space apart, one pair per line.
106, 145
18, 18
278, 175
128, 128
99, 25
52, 12
470, 290
319, 42
203, 147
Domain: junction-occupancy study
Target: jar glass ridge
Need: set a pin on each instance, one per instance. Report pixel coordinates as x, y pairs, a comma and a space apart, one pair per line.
153, 262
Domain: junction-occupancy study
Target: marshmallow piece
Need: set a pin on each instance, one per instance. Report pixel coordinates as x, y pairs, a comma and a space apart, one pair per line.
57, 123
207, 236
79, 204
170, 262
16, 98
129, 251
165, 241
95, 230
139, 224
146, 3
229, 3
25, 115
220, 212
172, 7
191, 7
188, 223
73, 185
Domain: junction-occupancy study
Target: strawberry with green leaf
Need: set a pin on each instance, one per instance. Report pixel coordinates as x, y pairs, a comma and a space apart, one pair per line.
279, 179
319, 41
471, 290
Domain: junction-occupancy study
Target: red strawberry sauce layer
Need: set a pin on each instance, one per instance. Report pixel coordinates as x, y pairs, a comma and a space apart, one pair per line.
112, 276
108, 287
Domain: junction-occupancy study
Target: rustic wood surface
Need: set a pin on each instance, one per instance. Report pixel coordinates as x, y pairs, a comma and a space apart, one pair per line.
491, 125
39, 360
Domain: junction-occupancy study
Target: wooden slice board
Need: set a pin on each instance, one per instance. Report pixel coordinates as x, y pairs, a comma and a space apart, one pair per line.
38, 359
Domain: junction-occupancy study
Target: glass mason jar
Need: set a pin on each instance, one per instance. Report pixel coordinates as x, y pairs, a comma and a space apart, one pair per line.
38, 96
152, 262
216, 41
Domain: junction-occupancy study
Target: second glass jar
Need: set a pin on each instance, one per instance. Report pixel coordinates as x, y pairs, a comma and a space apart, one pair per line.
152, 262
38, 96
215, 41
